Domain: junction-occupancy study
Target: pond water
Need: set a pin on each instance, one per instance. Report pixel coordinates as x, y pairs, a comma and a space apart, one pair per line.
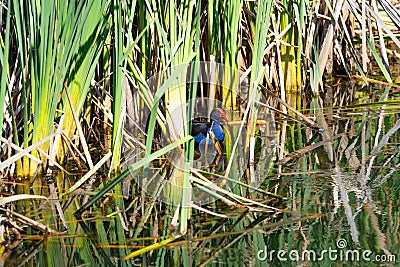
339, 204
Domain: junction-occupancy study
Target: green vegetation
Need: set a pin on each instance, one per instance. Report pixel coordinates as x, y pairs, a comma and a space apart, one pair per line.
98, 99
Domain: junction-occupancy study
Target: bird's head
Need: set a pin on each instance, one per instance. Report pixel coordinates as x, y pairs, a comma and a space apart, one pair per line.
218, 114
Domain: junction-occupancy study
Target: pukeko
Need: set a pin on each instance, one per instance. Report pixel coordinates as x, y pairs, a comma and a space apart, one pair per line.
213, 129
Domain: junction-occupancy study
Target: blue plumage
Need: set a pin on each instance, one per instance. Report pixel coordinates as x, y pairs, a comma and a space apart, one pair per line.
200, 130
216, 128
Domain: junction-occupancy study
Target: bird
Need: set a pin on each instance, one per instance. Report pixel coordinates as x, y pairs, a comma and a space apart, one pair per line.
211, 131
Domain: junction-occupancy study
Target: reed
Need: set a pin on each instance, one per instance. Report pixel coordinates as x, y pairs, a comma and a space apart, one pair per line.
232, 11
4, 55
262, 23
73, 48
64, 52
178, 50
89, 40
118, 87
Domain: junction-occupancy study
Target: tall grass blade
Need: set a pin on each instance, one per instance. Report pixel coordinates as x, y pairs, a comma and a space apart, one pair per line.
9, 199
4, 55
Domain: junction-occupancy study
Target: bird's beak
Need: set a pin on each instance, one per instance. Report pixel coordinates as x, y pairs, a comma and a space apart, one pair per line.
222, 114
